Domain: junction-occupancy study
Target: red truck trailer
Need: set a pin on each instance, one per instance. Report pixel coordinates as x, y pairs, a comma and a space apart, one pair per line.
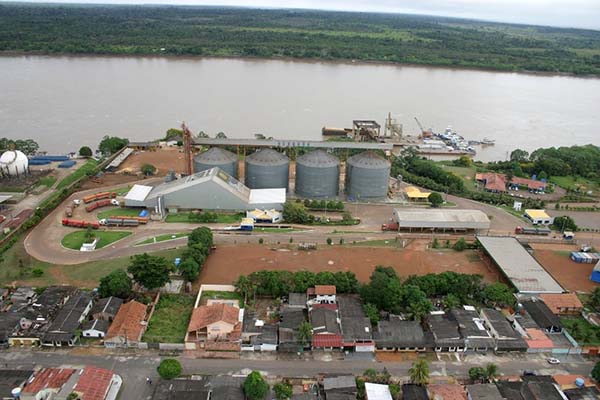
76, 223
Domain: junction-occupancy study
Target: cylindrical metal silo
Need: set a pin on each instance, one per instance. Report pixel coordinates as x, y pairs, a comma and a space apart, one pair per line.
317, 175
267, 169
367, 176
216, 157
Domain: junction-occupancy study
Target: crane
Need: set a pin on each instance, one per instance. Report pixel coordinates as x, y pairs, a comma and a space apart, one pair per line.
187, 148
424, 133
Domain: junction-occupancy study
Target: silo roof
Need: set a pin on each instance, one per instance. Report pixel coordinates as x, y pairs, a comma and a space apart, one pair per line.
267, 157
369, 159
318, 158
215, 155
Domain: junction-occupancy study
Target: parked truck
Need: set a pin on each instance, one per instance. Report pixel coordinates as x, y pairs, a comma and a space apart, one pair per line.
76, 223
390, 227
141, 220
69, 211
119, 222
524, 230
99, 196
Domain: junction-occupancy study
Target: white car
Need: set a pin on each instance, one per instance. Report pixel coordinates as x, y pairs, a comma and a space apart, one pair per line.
553, 361
114, 202
77, 202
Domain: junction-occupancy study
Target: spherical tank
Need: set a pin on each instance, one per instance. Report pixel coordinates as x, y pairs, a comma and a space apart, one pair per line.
14, 162
317, 175
267, 169
367, 176
216, 157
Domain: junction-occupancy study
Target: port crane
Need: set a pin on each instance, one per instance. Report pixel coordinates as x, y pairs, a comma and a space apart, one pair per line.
424, 133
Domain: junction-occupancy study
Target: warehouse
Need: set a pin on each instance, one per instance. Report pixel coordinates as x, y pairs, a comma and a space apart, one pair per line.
538, 217
439, 219
212, 189
518, 266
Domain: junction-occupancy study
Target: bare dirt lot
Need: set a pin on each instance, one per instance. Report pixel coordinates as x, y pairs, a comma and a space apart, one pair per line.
109, 179
164, 160
228, 262
570, 275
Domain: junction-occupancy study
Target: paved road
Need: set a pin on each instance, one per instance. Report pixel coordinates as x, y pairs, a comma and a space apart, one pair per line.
135, 368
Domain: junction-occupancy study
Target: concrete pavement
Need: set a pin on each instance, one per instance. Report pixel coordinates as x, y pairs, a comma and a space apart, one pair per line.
135, 367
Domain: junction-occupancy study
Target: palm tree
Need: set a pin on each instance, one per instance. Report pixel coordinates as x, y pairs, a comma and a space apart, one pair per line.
304, 333
419, 372
491, 371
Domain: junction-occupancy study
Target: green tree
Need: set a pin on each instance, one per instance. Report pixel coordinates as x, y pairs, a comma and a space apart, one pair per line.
190, 269
305, 333
565, 223
329, 241
372, 313
460, 245
111, 144
491, 371
295, 213
435, 199
463, 161
419, 372
477, 374
85, 151
27, 146
283, 390
173, 134
201, 235
596, 372
117, 284
245, 287
595, 298
519, 155
149, 271
498, 294
255, 386
148, 169
169, 368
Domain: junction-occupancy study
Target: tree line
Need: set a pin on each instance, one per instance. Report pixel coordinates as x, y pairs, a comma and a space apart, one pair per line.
27, 146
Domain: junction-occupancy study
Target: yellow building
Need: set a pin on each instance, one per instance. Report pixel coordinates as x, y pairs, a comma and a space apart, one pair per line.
415, 194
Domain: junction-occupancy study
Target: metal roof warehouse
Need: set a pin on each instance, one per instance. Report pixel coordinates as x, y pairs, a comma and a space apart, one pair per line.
524, 272
441, 219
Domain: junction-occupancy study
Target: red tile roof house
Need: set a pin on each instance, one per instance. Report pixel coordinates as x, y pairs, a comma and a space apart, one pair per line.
321, 294
563, 303
326, 332
46, 382
128, 326
217, 322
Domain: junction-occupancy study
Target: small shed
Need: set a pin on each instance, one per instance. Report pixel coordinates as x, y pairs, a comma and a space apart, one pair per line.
95, 329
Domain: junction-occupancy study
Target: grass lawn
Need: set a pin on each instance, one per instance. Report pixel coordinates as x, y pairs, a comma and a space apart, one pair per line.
222, 218
75, 239
119, 211
467, 174
581, 330
162, 238
276, 230
83, 170
85, 275
122, 190
170, 319
512, 211
211, 294
575, 182
47, 181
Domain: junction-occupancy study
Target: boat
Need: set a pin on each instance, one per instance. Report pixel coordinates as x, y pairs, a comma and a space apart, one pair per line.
488, 142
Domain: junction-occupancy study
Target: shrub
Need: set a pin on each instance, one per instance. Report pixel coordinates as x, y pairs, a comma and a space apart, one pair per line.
460, 245
329, 241
169, 368
283, 390
37, 272
255, 386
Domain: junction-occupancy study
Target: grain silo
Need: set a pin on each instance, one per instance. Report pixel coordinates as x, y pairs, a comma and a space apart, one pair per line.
367, 176
216, 157
317, 175
267, 169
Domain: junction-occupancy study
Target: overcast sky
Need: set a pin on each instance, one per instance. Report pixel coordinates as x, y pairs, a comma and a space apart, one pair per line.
569, 13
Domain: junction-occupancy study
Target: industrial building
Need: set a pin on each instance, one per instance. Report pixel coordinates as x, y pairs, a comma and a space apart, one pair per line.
217, 157
212, 189
317, 175
518, 266
267, 169
367, 176
440, 219
538, 217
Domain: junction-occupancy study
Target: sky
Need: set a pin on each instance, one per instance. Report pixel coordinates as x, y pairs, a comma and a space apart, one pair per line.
563, 13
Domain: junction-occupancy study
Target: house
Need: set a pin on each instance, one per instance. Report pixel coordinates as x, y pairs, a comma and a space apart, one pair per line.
9, 321
46, 382
256, 335
569, 381
23, 295
297, 300
12, 378
375, 391
201, 388
128, 326
106, 308
267, 340
38, 314
92, 383
326, 332
446, 335
538, 217
483, 391
492, 182
414, 392
543, 316
340, 387
584, 393
472, 329
562, 303
214, 322
447, 392
265, 216
415, 194
505, 337
95, 329
396, 334
531, 184
534, 389
63, 329
357, 331
290, 321
321, 294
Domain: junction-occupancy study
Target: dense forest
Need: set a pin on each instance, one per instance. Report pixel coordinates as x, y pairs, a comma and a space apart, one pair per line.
149, 30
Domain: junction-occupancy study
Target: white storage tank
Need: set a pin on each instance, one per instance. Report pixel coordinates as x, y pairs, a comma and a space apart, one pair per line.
14, 163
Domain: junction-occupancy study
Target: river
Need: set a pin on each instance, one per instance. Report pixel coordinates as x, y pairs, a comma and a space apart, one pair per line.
67, 102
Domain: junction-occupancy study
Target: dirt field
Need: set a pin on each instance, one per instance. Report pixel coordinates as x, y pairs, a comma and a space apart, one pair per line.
227, 263
109, 180
163, 159
569, 274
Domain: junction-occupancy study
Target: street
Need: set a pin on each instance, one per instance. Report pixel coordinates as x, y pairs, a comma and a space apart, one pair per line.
134, 367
